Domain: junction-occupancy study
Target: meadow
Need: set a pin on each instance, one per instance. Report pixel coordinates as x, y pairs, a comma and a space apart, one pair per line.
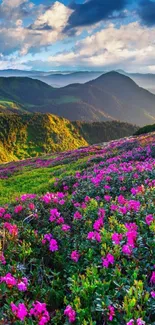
77, 236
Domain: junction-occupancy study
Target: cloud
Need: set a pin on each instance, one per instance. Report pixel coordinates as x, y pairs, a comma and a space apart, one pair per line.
93, 11
126, 47
46, 29
147, 12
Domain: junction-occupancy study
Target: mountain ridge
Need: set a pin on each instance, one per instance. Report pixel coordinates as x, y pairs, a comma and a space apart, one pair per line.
111, 96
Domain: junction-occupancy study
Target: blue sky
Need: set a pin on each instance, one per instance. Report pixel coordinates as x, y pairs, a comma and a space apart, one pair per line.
77, 35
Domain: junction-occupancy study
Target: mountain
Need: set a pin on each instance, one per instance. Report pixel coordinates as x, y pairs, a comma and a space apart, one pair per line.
112, 96
28, 135
52, 78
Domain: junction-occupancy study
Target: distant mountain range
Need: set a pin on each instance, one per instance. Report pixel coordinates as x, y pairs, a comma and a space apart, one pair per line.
64, 78
112, 96
31, 135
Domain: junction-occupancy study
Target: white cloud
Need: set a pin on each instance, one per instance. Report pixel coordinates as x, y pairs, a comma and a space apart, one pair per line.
56, 17
45, 30
13, 3
128, 46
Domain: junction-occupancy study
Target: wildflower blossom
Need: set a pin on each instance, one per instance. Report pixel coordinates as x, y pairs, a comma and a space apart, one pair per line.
75, 256
18, 208
20, 311
53, 245
70, 313
40, 312
149, 218
111, 312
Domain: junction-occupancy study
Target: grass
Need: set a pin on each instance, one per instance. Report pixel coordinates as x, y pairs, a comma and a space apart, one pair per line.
36, 181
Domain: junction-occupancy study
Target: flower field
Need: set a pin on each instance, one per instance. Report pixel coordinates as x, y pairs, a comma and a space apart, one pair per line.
77, 236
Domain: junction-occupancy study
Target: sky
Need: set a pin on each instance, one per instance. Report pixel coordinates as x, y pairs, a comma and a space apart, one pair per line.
69, 35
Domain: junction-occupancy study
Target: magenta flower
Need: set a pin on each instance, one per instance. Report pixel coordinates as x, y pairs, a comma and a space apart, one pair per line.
31, 206
131, 322
53, 245
7, 216
126, 249
116, 238
13, 229
94, 235
98, 224
111, 312
40, 312
22, 284
70, 313
9, 280
18, 209
65, 228
54, 214
152, 280
140, 322
19, 311
75, 256
153, 294
149, 219
108, 260
107, 198
77, 215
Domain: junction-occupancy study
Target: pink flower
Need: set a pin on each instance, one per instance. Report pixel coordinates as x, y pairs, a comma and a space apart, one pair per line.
18, 209
126, 250
116, 238
77, 215
109, 259
31, 206
140, 322
75, 256
94, 235
13, 230
98, 224
153, 294
111, 312
152, 280
131, 322
53, 245
2, 211
22, 285
60, 220
107, 198
54, 214
9, 280
7, 216
101, 213
40, 312
19, 311
70, 313
149, 219
65, 227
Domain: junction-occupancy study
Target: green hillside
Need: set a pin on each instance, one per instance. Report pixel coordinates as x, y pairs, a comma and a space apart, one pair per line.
98, 132
146, 129
30, 135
